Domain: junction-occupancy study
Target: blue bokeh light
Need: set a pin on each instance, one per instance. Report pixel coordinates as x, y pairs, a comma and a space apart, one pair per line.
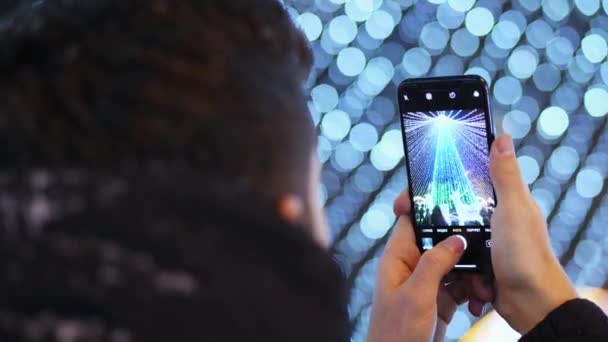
463, 43
553, 122
311, 25
479, 21
595, 48
507, 90
416, 62
351, 61
342, 30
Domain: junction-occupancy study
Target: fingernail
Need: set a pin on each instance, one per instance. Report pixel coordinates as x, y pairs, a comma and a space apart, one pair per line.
504, 145
457, 243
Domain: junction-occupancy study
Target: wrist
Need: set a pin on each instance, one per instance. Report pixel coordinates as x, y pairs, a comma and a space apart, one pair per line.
529, 305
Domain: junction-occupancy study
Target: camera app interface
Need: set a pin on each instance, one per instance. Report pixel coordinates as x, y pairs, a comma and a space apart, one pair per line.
449, 172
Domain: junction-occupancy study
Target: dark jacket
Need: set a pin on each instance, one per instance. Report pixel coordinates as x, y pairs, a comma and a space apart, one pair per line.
162, 260
165, 258
576, 320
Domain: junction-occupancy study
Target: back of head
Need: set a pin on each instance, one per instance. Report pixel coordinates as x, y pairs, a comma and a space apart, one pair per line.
216, 85
130, 110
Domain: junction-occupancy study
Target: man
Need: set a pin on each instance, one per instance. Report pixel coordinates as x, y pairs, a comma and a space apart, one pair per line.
160, 184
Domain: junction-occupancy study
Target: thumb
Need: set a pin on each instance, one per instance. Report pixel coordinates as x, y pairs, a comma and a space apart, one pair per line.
439, 261
504, 170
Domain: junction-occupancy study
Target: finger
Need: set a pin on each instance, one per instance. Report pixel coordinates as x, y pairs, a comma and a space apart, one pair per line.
437, 262
459, 289
476, 307
482, 288
400, 254
402, 205
504, 171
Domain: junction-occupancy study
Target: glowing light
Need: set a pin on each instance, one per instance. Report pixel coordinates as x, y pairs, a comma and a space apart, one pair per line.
461, 5
324, 97
335, 125
342, 30
553, 122
589, 183
417, 62
596, 101
311, 25
559, 51
523, 62
351, 61
595, 48
517, 124
479, 21
380, 25
463, 43
529, 169
507, 90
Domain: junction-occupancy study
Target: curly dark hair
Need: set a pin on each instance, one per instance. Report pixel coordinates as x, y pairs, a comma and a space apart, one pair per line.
128, 131
215, 84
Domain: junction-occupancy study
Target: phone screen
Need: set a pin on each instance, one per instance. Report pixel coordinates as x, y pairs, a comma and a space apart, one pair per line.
447, 131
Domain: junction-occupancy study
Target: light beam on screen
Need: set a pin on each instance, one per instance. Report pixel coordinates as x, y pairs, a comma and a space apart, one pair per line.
450, 151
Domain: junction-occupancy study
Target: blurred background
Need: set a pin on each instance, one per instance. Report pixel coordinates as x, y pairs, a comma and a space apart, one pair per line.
546, 64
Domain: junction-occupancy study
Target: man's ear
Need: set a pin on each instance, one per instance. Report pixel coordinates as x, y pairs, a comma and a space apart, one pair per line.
290, 208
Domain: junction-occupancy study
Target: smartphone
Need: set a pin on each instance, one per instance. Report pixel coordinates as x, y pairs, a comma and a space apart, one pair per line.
447, 133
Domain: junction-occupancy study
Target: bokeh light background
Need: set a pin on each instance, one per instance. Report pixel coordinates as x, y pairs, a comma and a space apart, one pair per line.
546, 64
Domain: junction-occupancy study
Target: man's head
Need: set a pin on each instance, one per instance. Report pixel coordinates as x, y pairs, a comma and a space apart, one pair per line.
215, 85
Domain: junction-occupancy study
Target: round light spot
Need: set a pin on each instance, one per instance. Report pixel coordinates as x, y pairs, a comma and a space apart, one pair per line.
587, 7
380, 25
342, 30
376, 222
359, 10
324, 97
529, 169
367, 178
434, 36
507, 90
461, 5
594, 48
547, 77
448, 65
363, 137
463, 43
416, 62
560, 51
563, 162
530, 5
351, 61
347, 157
479, 21
538, 33
589, 183
556, 10
567, 96
335, 125
505, 35
596, 101
311, 25
448, 17
523, 62
517, 124
553, 122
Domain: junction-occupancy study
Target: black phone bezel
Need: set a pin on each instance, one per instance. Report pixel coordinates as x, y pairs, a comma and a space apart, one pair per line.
447, 83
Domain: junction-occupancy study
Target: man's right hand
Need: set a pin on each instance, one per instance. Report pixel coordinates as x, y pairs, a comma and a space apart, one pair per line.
530, 282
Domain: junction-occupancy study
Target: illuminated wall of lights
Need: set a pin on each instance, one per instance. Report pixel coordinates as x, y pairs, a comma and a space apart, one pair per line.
546, 64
